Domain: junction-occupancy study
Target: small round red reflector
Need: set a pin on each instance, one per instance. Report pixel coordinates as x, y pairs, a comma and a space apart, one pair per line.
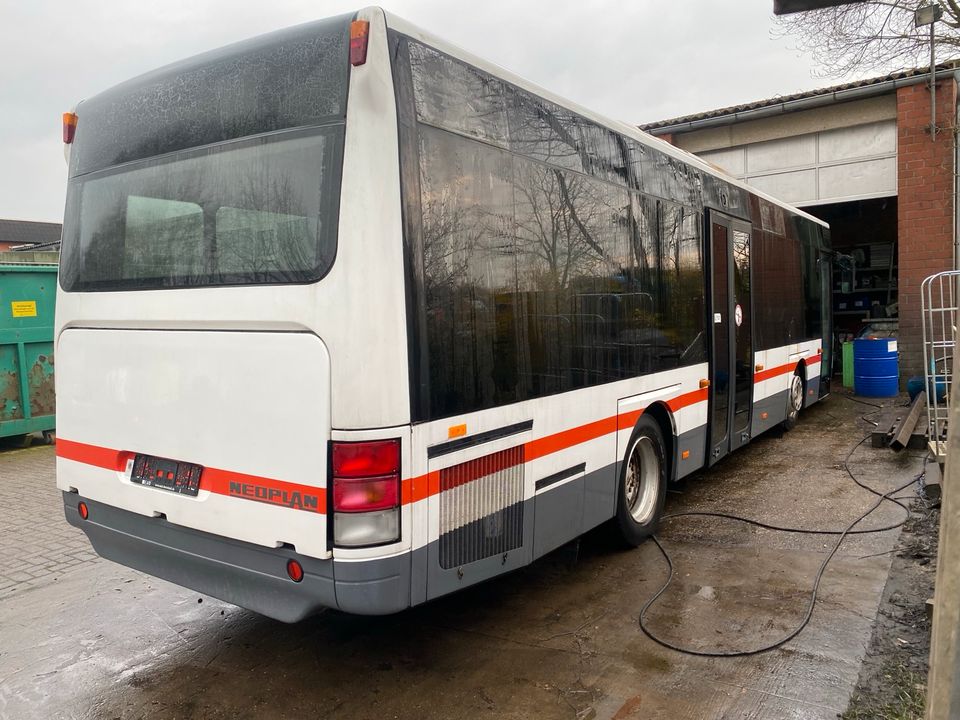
294, 570
83, 510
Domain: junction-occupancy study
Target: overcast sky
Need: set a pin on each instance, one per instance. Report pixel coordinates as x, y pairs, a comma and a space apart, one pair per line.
634, 60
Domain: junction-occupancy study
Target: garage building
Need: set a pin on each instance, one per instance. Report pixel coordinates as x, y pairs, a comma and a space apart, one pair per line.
861, 157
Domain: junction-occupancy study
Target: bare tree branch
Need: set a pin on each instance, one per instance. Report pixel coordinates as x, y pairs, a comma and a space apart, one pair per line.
876, 35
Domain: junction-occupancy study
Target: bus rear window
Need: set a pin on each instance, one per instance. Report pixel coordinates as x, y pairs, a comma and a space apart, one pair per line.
290, 78
263, 210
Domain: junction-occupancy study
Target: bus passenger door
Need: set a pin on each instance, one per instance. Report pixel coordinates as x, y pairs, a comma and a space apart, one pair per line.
731, 342
742, 314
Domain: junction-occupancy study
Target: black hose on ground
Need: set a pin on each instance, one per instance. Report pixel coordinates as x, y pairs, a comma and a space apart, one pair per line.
842, 535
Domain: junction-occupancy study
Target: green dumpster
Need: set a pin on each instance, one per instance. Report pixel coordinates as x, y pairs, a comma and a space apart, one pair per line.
27, 296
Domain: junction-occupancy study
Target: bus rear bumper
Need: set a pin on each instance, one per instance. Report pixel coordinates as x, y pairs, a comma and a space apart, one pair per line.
251, 576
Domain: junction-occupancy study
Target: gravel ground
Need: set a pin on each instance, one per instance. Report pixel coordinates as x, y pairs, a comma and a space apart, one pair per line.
892, 682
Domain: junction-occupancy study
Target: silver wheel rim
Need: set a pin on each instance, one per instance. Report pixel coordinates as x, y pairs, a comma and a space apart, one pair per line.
796, 396
642, 481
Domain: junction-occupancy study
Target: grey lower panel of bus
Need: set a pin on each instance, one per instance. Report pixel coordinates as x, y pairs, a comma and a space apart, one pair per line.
775, 406
695, 442
241, 573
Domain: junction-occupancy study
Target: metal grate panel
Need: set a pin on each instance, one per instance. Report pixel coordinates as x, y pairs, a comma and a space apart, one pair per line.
940, 304
481, 507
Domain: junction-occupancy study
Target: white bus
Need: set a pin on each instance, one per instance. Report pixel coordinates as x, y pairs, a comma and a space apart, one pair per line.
351, 318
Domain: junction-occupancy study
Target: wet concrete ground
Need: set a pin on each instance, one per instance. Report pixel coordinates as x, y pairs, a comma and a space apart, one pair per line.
558, 639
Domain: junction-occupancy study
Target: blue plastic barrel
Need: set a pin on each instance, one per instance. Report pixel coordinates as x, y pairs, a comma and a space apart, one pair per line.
875, 367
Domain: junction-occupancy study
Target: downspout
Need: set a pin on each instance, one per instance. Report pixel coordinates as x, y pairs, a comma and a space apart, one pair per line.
956, 180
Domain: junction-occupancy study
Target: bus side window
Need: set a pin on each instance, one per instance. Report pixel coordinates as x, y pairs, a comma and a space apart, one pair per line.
455, 96
469, 273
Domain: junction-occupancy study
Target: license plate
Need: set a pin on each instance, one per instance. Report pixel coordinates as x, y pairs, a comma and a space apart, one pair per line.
173, 475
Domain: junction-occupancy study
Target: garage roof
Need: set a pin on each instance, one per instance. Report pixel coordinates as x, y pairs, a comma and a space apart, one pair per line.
27, 232
781, 103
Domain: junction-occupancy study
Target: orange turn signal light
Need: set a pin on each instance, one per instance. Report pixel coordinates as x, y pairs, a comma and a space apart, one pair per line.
758, 368
69, 127
359, 34
704, 384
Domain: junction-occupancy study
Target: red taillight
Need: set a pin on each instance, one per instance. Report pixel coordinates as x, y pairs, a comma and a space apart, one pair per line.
294, 570
359, 33
69, 127
83, 510
365, 459
366, 475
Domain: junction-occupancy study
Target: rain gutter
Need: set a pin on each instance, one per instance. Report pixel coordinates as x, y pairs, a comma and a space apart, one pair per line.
805, 103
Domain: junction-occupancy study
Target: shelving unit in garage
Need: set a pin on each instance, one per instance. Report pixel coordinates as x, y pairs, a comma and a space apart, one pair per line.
872, 281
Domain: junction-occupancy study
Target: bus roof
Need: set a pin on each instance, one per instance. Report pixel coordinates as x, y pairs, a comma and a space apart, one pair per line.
411, 30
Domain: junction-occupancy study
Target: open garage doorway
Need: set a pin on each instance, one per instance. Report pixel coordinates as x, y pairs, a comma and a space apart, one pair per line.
865, 271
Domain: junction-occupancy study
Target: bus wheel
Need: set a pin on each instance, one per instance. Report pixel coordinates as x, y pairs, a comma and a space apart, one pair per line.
643, 483
794, 402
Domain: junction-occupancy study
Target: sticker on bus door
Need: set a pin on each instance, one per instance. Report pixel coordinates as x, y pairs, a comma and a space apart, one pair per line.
738, 315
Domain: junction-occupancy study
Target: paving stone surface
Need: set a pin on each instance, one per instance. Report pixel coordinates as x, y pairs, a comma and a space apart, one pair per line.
37, 546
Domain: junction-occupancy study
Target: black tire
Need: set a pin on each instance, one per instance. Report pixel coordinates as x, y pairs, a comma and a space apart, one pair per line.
642, 488
794, 401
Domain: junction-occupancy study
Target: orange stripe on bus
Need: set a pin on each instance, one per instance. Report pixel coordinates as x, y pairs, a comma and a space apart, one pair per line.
626, 421
101, 457
263, 489
425, 486
221, 482
690, 398
411, 490
784, 369
774, 372
568, 438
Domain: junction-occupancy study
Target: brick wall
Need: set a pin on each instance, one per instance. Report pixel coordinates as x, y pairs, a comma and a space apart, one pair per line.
925, 206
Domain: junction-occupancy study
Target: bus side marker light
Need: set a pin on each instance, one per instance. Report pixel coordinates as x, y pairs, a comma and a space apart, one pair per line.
704, 384
764, 416
758, 368
83, 510
685, 454
69, 127
294, 570
455, 431
359, 34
